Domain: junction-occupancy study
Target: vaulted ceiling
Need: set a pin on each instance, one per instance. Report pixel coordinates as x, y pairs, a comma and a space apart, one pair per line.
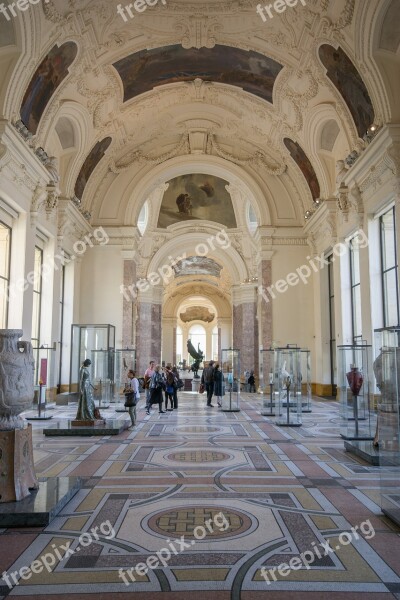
123, 105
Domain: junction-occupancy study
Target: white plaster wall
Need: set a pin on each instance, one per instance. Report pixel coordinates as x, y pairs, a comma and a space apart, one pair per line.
292, 310
100, 296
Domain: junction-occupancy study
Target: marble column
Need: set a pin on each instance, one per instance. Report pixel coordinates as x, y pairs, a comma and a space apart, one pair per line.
148, 328
245, 326
129, 301
265, 304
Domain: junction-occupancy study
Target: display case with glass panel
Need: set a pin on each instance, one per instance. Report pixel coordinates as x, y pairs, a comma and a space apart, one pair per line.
267, 377
387, 374
102, 376
305, 380
287, 387
231, 375
125, 360
355, 388
85, 339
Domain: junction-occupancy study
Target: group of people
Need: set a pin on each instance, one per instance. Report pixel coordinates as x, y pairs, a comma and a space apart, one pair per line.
156, 381
212, 380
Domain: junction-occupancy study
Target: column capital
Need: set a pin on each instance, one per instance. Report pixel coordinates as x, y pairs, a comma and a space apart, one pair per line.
149, 294
244, 293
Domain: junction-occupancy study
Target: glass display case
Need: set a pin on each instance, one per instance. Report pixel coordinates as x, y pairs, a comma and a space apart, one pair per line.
287, 387
231, 373
355, 392
267, 377
305, 380
387, 372
125, 360
85, 339
102, 376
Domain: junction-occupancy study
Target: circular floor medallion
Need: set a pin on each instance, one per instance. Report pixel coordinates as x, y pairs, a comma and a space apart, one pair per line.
198, 429
223, 522
198, 456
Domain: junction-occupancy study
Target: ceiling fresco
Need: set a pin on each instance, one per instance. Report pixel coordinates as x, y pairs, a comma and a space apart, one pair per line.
197, 265
348, 81
197, 197
142, 71
53, 69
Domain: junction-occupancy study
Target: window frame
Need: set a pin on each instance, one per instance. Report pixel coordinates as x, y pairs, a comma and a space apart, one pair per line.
385, 271
356, 338
7, 279
36, 349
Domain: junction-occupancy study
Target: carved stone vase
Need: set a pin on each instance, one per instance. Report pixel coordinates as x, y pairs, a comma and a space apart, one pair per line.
17, 472
355, 379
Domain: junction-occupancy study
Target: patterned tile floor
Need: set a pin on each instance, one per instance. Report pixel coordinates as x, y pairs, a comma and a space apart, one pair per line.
258, 495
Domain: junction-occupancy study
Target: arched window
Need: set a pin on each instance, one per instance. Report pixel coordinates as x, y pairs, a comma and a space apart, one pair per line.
143, 218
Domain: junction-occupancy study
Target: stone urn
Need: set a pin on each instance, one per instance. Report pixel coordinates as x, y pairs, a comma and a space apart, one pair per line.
16, 378
17, 471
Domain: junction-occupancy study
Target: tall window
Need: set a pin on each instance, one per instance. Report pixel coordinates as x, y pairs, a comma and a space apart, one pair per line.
389, 268
197, 335
215, 343
37, 305
332, 325
61, 336
5, 247
355, 290
179, 345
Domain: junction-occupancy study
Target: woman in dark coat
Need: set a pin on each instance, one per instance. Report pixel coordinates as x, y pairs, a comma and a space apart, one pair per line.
156, 389
218, 381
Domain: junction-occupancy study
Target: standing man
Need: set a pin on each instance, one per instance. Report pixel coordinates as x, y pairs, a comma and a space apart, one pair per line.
147, 377
207, 379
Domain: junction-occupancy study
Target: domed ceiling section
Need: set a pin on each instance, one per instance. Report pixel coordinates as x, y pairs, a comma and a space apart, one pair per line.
195, 78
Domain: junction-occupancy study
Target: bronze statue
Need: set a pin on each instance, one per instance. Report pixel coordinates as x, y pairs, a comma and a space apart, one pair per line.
86, 408
198, 358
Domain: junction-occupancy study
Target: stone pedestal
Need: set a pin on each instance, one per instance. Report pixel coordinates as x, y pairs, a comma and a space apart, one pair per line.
17, 472
195, 385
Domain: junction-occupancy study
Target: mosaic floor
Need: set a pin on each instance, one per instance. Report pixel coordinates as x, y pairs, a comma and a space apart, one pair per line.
230, 497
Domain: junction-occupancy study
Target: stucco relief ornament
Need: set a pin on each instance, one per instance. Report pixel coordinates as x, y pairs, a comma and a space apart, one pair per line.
343, 201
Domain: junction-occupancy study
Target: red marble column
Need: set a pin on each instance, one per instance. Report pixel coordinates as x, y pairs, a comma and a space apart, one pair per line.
129, 305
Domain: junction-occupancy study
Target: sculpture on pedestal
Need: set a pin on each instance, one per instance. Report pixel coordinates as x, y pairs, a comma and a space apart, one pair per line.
198, 357
17, 474
87, 412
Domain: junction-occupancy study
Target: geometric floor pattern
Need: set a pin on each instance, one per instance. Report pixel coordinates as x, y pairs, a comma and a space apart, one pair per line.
230, 497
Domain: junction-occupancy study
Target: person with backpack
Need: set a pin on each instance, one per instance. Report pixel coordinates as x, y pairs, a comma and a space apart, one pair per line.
169, 387
132, 395
147, 378
156, 388
251, 382
207, 379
